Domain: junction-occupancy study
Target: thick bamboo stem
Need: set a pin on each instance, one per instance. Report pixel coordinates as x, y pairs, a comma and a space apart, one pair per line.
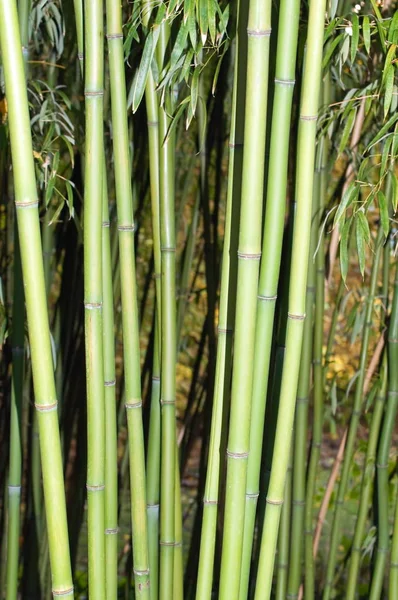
32, 269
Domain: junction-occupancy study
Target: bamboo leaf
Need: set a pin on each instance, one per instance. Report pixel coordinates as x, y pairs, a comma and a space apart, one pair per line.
347, 131
203, 19
192, 30
189, 6
331, 49
382, 132
394, 181
355, 36
69, 192
57, 212
363, 223
212, 20
385, 222
344, 248
179, 45
351, 192
176, 118
385, 156
360, 239
202, 132
393, 29
139, 82
389, 85
186, 67
389, 58
366, 33
194, 96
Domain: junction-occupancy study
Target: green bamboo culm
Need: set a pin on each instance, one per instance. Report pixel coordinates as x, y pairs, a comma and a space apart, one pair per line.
15, 465
393, 583
271, 259
93, 300
131, 348
249, 252
367, 483
297, 294
168, 339
383, 451
354, 421
226, 314
111, 475
35, 297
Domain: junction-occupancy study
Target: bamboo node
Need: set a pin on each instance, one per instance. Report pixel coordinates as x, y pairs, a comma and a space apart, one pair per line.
308, 117
126, 227
340, 501
393, 392
267, 298
274, 502
304, 399
93, 93
95, 488
211, 502
259, 32
80, 56
92, 305
253, 496
153, 505
166, 402
166, 249
317, 361
174, 544
237, 454
106, 224
68, 592
110, 383
14, 490
157, 276
141, 573
356, 413
224, 330
289, 595
394, 565
289, 82
298, 502
296, 317
380, 466
26, 204
235, 144
155, 378
316, 444
112, 531
46, 407
247, 256
129, 405
114, 36
152, 123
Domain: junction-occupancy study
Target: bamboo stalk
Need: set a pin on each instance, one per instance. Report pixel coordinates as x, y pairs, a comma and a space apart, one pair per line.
249, 252
366, 485
393, 583
36, 305
111, 483
284, 540
383, 452
93, 300
168, 339
298, 282
131, 348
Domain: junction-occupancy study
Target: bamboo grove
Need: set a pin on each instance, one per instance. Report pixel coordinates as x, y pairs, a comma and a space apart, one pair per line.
198, 299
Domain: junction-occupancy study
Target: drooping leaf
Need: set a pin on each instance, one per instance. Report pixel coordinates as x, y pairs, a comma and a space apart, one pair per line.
174, 122
347, 130
344, 248
348, 197
330, 50
366, 33
385, 156
360, 239
383, 212
389, 85
382, 132
355, 36
363, 223
139, 82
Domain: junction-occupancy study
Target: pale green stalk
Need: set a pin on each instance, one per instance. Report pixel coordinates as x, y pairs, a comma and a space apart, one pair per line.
297, 294
36, 305
249, 254
93, 300
128, 281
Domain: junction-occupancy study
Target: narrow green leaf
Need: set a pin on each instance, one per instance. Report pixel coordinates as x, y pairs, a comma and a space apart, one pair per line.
188, 9
194, 96
363, 223
389, 58
351, 192
69, 192
57, 212
212, 20
331, 48
192, 30
355, 36
139, 83
389, 86
202, 132
382, 132
385, 156
203, 19
49, 190
344, 248
360, 238
176, 118
394, 197
393, 29
366, 33
385, 223
186, 67
179, 45
347, 131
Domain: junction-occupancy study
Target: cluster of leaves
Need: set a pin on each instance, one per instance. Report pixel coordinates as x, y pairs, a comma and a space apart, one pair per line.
360, 52
198, 33
46, 24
